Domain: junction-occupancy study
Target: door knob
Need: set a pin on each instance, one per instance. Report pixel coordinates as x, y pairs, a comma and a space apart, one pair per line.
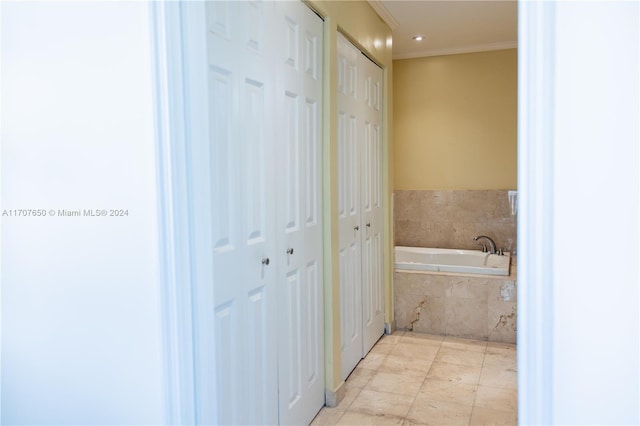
369, 225
356, 228
290, 250
265, 261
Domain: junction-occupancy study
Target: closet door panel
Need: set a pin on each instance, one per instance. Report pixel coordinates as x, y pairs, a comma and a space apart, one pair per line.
372, 214
254, 80
299, 98
349, 204
359, 203
240, 95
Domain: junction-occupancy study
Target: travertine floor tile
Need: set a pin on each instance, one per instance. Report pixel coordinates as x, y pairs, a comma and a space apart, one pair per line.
447, 391
454, 373
372, 361
381, 404
412, 378
481, 416
381, 348
422, 338
354, 418
400, 364
464, 344
439, 413
391, 339
497, 346
407, 383
351, 393
414, 351
459, 356
500, 361
499, 378
360, 377
327, 416
497, 398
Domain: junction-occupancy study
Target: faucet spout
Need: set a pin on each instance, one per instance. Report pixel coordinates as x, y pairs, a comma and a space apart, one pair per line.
492, 244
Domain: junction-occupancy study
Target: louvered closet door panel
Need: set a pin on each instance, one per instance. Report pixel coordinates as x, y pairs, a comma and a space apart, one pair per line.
349, 208
371, 196
241, 94
299, 195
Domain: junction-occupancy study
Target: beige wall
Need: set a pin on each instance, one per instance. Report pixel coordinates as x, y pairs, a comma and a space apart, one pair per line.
358, 21
455, 121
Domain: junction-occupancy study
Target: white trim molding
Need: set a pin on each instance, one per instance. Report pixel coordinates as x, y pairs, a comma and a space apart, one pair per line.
457, 50
173, 213
383, 13
536, 62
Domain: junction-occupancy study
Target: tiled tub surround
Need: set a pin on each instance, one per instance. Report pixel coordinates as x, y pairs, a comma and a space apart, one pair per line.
464, 305
450, 219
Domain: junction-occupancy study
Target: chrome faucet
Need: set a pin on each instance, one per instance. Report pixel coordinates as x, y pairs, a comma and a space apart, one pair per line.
492, 244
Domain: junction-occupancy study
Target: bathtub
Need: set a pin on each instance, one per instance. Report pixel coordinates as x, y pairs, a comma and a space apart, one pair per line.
452, 260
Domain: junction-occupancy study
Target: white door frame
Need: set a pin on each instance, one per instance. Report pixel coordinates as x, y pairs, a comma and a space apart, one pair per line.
174, 242
535, 186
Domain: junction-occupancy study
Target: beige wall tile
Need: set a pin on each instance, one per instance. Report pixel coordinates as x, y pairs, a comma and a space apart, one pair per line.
502, 321
429, 316
469, 288
450, 219
466, 317
502, 291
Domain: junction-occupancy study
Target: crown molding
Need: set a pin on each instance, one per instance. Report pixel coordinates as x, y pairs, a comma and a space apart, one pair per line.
457, 50
383, 13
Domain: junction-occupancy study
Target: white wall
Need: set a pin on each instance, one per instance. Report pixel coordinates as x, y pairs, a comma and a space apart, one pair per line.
81, 324
595, 293
579, 213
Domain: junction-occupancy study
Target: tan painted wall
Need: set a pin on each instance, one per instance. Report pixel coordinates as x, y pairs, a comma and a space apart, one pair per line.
358, 21
455, 121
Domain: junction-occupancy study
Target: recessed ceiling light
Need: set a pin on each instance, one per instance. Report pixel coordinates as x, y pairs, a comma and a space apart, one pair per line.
417, 38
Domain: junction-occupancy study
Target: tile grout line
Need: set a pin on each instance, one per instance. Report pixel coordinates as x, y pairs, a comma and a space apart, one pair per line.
473, 405
423, 382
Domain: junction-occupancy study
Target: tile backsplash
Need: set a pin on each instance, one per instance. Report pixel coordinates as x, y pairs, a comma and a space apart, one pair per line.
450, 219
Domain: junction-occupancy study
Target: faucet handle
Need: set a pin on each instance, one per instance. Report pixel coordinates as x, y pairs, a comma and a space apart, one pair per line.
484, 248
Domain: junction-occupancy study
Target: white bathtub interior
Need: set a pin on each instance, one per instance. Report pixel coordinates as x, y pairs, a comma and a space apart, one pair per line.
451, 260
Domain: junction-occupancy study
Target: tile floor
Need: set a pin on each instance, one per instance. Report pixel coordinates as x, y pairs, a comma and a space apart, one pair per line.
423, 379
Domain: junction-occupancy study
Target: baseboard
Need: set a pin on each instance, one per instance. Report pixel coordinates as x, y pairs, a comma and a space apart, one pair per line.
335, 397
390, 327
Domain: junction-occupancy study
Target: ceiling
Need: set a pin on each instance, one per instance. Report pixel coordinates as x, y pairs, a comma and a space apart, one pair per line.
449, 27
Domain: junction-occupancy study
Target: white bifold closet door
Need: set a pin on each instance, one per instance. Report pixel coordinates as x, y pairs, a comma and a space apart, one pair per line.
254, 109
359, 203
298, 196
